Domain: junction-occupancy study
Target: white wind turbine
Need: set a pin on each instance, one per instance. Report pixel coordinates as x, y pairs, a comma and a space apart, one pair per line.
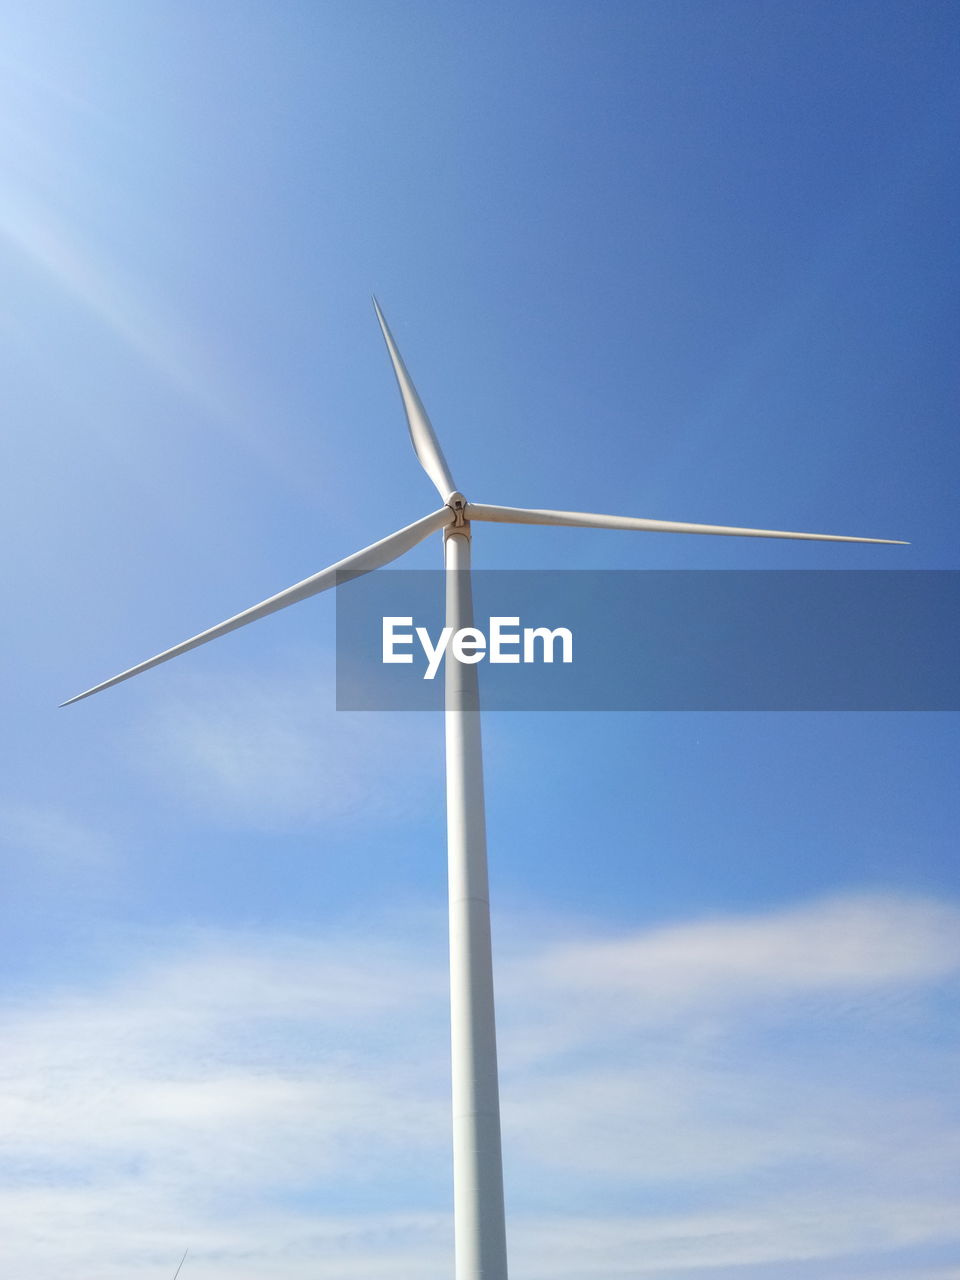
480, 1240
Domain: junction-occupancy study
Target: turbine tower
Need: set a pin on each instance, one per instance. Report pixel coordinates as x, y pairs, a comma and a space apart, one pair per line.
479, 1229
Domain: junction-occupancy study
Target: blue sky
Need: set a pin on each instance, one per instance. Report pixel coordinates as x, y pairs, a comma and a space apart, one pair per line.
686, 260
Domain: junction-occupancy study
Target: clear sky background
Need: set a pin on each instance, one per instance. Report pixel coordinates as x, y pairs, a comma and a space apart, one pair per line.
695, 261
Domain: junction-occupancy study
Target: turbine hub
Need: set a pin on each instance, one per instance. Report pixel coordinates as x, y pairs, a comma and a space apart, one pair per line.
457, 504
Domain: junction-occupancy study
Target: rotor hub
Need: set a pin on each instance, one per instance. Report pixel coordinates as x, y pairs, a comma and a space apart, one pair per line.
457, 504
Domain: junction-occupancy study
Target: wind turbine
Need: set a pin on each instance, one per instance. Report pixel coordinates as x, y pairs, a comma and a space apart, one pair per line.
480, 1240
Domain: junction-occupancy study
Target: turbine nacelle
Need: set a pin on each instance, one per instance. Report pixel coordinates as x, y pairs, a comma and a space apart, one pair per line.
458, 505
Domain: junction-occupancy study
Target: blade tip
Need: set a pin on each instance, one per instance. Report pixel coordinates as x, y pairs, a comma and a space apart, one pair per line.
79, 697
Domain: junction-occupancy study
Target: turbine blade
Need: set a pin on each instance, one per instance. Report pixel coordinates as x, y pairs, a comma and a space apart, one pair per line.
583, 519
425, 442
372, 557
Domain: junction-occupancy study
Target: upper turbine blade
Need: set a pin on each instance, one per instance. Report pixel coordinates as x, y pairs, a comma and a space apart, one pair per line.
372, 557
521, 515
425, 443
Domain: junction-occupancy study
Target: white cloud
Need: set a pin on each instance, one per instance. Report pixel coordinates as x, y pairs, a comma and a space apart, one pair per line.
48, 856
833, 949
280, 1104
850, 941
273, 752
44, 832
803, 1229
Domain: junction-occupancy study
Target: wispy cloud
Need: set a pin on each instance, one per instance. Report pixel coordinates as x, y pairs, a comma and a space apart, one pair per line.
280, 1104
846, 943
740, 1047
805, 1236
46, 834
273, 752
